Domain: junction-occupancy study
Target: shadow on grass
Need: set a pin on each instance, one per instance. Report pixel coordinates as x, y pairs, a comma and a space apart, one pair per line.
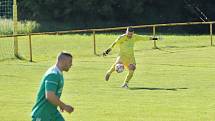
152, 88
16, 58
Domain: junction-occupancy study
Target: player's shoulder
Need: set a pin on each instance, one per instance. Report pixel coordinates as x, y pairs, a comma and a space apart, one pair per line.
52, 72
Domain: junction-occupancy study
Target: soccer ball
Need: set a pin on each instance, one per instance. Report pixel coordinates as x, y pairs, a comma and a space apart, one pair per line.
119, 68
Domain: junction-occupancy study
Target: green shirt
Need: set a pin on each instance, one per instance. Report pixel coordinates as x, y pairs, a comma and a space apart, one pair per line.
52, 81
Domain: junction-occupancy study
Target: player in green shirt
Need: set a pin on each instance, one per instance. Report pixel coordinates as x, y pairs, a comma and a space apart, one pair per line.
125, 43
48, 97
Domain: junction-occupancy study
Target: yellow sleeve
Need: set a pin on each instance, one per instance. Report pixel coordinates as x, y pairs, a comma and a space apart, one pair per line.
118, 41
140, 38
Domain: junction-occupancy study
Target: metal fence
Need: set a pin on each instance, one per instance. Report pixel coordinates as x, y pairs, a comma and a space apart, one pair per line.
93, 31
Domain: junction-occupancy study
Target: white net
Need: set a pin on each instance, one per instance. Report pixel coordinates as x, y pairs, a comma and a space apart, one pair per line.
6, 16
6, 9
6, 27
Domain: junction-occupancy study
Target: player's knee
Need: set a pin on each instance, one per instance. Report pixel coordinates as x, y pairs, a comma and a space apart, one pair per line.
132, 67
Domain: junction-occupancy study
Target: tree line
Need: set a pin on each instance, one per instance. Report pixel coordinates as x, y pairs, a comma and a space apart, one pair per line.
115, 12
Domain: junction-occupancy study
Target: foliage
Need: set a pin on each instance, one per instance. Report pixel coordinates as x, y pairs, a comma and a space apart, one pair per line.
6, 26
118, 11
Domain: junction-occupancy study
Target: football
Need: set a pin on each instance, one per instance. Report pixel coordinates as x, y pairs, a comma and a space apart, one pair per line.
119, 68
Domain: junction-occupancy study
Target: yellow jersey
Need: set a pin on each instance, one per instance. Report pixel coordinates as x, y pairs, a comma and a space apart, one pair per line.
126, 46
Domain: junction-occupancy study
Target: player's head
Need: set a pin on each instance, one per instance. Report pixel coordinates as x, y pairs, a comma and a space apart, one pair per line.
64, 60
129, 32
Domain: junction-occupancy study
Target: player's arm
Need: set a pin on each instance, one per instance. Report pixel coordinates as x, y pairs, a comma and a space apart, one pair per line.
114, 44
52, 98
51, 85
144, 38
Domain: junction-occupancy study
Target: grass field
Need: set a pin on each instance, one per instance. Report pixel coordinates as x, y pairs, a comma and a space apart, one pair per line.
173, 83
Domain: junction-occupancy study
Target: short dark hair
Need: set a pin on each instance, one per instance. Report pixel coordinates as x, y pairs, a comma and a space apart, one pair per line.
64, 54
130, 29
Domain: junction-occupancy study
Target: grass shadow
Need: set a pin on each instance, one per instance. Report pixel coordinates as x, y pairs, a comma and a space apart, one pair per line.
17, 57
153, 88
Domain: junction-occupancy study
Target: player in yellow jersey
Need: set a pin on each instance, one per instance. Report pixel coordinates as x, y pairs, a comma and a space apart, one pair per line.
126, 57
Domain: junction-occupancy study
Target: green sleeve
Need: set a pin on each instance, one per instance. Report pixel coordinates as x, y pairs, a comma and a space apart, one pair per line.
51, 82
140, 38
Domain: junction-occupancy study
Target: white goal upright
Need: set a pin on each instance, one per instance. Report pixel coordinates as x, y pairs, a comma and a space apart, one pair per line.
8, 20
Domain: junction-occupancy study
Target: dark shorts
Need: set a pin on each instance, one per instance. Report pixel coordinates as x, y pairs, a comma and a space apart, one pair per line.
57, 117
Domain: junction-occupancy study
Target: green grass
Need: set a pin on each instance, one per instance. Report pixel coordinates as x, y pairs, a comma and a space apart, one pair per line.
173, 83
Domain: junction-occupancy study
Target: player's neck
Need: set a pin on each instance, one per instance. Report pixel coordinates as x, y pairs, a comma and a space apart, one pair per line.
59, 67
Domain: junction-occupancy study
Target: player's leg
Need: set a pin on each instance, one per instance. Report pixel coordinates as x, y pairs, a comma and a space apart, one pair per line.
131, 69
112, 69
109, 72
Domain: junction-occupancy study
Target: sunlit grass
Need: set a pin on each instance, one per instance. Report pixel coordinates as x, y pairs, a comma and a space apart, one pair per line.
172, 83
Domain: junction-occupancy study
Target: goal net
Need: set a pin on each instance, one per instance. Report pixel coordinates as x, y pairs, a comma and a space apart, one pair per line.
6, 28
